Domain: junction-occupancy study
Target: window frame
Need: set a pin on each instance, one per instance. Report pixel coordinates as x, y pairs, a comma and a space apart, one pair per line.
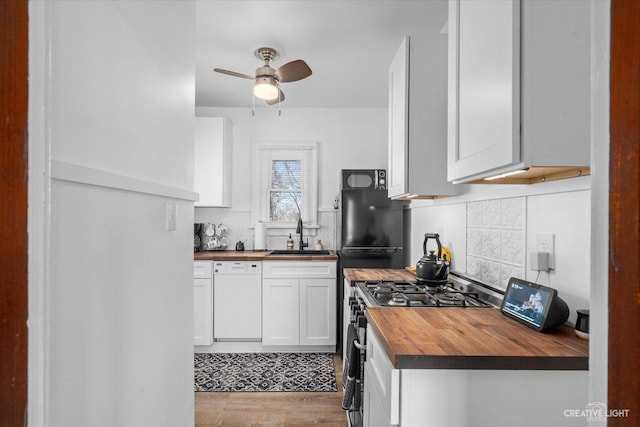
263, 155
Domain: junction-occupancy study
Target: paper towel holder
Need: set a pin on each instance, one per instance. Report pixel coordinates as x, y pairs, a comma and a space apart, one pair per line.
260, 237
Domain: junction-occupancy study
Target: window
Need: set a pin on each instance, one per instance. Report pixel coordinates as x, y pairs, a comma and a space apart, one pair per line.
285, 184
285, 195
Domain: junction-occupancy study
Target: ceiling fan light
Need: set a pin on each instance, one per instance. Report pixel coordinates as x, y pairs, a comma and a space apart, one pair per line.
266, 88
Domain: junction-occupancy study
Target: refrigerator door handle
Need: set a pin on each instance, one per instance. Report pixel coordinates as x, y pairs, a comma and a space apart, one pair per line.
370, 249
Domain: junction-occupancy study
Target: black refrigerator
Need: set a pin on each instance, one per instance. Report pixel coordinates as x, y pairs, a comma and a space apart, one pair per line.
370, 227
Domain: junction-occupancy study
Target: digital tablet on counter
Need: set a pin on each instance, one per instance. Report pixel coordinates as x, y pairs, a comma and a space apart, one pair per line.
534, 305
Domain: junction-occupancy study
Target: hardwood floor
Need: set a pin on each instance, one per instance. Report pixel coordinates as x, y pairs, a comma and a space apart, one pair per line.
273, 409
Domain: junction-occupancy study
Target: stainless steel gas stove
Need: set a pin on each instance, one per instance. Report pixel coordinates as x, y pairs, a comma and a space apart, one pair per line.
456, 292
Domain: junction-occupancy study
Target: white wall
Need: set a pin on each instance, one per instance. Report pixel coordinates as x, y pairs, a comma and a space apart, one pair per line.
112, 109
560, 207
347, 138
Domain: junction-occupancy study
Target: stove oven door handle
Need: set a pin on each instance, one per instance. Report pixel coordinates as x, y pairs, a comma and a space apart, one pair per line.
359, 346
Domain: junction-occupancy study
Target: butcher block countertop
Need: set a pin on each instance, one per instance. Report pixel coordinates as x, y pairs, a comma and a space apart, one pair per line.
258, 256
358, 274
467, 338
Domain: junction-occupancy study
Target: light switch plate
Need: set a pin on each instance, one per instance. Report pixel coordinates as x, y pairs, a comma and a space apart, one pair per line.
172, 214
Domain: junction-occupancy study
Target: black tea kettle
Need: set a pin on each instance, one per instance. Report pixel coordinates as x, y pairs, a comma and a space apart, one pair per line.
432, 268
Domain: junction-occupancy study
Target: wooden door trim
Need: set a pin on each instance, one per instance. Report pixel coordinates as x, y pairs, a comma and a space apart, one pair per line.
624, 214
13, 211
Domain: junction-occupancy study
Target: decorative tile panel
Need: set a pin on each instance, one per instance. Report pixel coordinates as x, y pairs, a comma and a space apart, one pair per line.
491, 213
474, 214
496, 240
474, 241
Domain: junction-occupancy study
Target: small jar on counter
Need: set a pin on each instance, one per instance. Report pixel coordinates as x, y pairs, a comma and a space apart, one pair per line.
319, 245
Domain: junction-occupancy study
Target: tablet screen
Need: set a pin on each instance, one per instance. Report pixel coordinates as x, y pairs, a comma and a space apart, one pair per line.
527, 302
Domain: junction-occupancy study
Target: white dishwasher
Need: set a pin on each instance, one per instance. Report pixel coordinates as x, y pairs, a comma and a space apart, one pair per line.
237, 300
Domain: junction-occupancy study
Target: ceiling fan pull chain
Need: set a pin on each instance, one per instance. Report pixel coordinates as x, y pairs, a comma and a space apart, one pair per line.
253, 105
279, 100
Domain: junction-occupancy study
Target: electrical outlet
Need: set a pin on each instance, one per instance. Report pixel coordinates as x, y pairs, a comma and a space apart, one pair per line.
546, 243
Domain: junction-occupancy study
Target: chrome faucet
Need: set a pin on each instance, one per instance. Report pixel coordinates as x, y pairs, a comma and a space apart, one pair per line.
299, 231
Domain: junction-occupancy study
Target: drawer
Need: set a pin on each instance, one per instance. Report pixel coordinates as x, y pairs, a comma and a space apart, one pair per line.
299, 269
202, 269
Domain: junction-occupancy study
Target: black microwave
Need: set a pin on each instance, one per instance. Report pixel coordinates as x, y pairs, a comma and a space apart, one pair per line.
358, 179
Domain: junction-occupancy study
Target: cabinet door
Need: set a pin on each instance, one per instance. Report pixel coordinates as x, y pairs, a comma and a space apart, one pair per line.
280, 312
202, 311
317, 311
212, 161
397, 173
374, 414
484, 87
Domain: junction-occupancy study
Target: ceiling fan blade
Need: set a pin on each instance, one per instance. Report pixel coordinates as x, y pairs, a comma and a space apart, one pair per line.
293, 71
278, 99
233, 73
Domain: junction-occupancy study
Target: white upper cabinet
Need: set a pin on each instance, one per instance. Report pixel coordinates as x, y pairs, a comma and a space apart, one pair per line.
213, 157
417, 164
397, 179
484, 83
519, 89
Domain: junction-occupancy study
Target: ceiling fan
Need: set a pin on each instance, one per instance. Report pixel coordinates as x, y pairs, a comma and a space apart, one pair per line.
267, 79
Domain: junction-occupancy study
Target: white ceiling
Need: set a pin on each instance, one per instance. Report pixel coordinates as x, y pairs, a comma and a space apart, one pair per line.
347, 44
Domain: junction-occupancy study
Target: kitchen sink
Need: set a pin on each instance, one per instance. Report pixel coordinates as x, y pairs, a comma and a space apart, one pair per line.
299, 252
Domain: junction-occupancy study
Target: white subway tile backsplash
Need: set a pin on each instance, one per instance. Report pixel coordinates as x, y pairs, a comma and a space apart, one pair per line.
239, 228
496, 240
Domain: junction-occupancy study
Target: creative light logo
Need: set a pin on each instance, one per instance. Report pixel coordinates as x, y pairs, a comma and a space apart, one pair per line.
596, 412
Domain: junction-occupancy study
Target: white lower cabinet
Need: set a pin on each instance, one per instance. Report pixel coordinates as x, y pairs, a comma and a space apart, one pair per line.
280, 312
298, 303
381, 386
468, 397
202, 303
374, 415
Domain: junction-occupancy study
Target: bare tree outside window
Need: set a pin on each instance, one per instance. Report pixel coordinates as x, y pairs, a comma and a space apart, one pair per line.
285, 193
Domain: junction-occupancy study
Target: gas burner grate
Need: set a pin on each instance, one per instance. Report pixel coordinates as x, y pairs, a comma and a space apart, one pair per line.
419, 294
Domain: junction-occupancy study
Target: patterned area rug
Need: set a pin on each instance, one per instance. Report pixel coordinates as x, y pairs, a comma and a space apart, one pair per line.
264, 372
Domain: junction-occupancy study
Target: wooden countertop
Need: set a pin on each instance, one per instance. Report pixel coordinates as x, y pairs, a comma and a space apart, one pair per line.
258, 256
466, 338
358, 274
